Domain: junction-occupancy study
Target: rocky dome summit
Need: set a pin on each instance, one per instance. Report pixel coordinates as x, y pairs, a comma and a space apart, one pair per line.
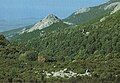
51, 17
46, 22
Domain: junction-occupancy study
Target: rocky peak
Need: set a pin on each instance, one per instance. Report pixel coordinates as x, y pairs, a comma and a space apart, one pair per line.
46, 22
51, 17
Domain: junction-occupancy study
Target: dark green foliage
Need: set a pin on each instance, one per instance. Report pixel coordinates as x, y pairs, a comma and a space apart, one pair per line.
38, 33
29, 55
3, 41
98, 38
95, 47
103, 69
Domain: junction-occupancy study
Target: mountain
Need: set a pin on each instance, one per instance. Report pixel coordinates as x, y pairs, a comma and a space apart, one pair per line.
70, 41
82, 16
55, 56
59, 52
45, 23
48, 24
85, 15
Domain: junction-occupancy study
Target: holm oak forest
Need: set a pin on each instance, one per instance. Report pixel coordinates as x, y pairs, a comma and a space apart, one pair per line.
82, 48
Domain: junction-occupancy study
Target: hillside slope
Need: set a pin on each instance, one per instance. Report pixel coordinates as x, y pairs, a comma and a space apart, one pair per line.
62, 53
101, 37
88, 53
48, 24
85, 15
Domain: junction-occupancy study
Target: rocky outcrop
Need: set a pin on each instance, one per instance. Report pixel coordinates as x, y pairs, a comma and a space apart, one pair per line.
46, 22
115, 6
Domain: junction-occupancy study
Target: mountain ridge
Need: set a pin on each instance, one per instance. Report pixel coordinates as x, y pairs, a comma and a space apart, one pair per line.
87, 14
46, 22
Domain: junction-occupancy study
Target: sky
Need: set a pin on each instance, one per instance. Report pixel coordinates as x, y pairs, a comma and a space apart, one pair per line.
12, 10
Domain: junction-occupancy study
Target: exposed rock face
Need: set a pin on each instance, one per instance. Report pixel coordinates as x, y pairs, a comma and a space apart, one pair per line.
115, 6
65, 74
82, 10
46, 22
104, 18
68, 23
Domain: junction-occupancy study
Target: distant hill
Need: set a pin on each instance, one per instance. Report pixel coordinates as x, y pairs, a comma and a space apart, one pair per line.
11, 33
6, 25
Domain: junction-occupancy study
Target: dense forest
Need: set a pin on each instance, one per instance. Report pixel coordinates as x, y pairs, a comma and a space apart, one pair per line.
98, 38
78, 54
